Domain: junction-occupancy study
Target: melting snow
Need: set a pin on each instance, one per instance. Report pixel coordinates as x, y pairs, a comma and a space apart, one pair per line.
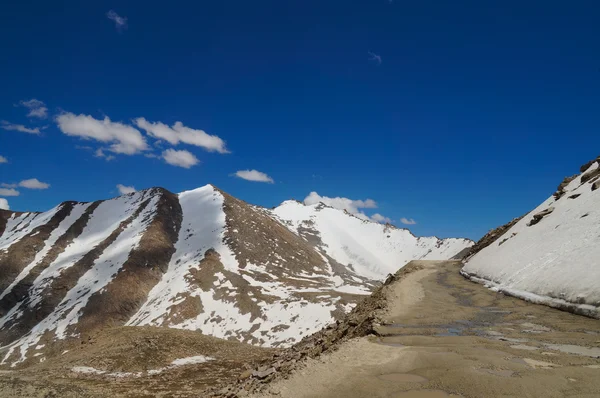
177, 362
554, 261
191, 360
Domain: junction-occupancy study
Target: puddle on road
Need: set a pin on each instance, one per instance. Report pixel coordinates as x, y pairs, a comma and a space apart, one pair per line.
450, 332
424, 394
402, 378
459, 323
593, 352
457, 328
524, 347
534, 328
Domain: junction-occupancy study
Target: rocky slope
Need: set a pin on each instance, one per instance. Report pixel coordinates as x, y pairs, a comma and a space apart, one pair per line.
551, 254
199, 260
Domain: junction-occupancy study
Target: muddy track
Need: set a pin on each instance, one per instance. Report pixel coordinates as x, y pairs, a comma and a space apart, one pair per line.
442, 336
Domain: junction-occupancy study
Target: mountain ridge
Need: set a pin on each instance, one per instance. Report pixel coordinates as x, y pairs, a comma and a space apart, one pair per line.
199, 260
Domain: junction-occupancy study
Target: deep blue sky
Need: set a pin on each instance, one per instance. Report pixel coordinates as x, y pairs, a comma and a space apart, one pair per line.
475, 114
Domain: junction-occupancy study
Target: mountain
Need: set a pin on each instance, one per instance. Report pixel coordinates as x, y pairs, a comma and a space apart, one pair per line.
550, 255
364, 249
199, 260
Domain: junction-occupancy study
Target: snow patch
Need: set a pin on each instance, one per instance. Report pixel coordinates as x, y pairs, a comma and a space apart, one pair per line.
191, 360
177, 362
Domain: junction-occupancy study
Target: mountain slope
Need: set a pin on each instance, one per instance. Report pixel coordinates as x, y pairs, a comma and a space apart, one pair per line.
199, 260
370, 249
551, 255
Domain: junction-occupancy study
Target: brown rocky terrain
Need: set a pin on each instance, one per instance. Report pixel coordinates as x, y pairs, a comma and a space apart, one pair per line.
132, 362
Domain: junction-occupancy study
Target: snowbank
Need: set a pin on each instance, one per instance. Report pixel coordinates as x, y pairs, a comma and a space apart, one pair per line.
552, 255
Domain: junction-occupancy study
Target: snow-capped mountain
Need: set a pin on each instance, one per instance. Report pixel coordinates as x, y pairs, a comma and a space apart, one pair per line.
367, 249
200, 260
552, 254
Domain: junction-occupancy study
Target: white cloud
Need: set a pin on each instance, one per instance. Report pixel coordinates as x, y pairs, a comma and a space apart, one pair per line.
36, 108
34, 183
5, 185
3, 159
125, 139
375, 57
381, 219
4, 204
99, 153
180, 133
124, 189
254, 175
8, 192
120, 22
19, 127
407, 221
181, 158
350, 205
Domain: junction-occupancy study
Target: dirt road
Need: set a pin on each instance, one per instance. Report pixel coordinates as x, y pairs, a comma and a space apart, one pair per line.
445, 336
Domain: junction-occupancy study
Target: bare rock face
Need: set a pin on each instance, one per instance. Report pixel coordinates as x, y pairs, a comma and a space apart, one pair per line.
560, 191
538, 216
199, 260
589, 164
590, 175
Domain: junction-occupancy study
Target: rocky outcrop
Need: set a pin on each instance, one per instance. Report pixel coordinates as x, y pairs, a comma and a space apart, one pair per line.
560, 191
589, 164
538, 216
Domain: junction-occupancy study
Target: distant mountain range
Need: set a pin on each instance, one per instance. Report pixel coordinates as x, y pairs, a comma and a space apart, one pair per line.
199, 260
